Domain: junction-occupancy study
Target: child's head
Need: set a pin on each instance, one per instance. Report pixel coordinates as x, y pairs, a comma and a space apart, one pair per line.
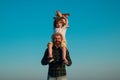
59, 22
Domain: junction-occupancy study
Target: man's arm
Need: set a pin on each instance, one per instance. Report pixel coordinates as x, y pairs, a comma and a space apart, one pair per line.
44, 60
68, 58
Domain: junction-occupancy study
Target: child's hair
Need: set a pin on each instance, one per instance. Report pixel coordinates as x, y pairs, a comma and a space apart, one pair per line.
56, 21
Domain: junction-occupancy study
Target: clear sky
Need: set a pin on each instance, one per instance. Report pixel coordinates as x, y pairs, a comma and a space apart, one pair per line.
93, 38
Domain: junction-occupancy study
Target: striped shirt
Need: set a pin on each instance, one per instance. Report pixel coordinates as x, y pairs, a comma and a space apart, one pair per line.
56, 68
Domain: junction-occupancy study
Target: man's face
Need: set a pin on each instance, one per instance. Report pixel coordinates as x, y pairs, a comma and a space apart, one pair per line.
57, 40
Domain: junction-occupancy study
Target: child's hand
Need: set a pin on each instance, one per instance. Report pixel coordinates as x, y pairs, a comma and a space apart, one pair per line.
58, 13
63, 21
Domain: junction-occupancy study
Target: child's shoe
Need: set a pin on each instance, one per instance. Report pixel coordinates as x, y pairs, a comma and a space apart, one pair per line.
51, 59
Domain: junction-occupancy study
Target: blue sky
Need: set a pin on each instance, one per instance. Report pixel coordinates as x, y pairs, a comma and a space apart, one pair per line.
93, 38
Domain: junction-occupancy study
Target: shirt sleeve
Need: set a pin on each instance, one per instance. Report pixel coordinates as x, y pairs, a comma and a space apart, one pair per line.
44, 60
65, 26
56, 30
68, 58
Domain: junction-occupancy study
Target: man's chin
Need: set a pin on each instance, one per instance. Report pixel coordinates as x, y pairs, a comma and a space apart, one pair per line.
58, 43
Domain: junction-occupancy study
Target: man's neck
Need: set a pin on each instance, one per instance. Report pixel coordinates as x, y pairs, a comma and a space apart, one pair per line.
57, 46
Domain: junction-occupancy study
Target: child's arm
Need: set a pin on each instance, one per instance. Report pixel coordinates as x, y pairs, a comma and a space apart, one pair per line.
65, 22
58, 14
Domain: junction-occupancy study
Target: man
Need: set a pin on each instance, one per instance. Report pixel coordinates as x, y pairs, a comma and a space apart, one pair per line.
57, 70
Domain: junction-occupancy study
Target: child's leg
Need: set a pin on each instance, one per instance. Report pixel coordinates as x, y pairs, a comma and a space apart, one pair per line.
50, 50
64, 53
50, 56
63, 46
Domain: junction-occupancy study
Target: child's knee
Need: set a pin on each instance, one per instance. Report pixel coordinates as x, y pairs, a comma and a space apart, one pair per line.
50, 44
63, 47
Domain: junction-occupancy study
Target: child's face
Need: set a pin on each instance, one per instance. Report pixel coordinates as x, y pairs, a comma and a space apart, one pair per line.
59, 24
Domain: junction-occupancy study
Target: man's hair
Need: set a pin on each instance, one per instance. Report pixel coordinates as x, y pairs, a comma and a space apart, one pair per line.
56, 34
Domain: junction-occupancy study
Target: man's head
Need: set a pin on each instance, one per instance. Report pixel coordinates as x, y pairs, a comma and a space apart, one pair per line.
57, 39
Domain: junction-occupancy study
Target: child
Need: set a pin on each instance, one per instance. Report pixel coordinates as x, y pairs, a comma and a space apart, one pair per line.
60, 26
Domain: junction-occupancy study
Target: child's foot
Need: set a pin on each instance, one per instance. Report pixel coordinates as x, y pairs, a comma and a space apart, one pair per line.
50, 59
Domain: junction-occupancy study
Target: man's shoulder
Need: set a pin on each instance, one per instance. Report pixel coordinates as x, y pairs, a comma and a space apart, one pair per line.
67, 50
46, 50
